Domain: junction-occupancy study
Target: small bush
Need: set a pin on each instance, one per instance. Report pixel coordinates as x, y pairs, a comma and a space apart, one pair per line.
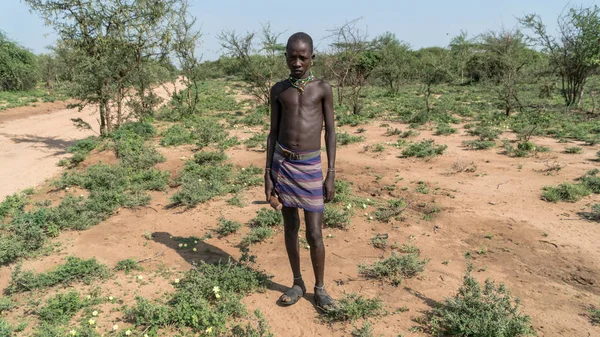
409, 133
480, 312
13, 204
267, 218
226, 227
379, 242
565, 192
573, 150
594, 215
485, 132
394, 209
445, 130
60, 308
424, 149
73, 270
352, 307
595, 316
128, 265
6, 329
176, 135
336, 218
208, 296
256, 140
479, 144
256, 235
394, 268
591, 181
365, 331
345, 138
6, 304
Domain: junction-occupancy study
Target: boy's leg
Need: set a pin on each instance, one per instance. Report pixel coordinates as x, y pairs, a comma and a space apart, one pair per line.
314, 237
315, 241
291, 225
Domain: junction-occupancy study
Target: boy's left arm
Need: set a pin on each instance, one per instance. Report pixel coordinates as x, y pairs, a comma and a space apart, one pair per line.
330, 142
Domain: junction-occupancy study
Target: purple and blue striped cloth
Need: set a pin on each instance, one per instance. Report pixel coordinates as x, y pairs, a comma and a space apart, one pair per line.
299, 183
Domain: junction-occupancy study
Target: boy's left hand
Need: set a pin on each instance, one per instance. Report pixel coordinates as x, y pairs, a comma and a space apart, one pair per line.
329, 187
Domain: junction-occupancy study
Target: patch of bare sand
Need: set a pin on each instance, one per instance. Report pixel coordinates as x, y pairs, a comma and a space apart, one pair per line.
34, 139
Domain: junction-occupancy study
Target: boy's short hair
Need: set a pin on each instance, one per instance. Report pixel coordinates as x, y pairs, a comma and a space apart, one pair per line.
300, 37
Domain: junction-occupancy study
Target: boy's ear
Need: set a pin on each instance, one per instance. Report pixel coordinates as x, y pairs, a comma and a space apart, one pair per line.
313, 56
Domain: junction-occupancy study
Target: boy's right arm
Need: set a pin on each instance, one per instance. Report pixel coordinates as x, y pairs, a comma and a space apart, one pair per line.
271, 140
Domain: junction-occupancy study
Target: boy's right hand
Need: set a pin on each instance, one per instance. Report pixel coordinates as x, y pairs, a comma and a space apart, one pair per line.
268, 186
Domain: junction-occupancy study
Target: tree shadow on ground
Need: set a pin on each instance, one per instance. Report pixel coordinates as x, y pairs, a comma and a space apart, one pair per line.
50, 143
205, 253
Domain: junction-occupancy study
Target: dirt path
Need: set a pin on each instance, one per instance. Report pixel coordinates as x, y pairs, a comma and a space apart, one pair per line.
34, 139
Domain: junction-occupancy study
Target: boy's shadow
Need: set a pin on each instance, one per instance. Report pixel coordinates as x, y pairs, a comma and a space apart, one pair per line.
204, 253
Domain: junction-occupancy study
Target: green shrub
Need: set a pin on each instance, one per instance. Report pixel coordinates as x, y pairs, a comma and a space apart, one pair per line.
352, 307
394, 268
256, 140
565, 192
477, 144
343, 191
474, 311
594, 214
203, 179
142, 129
573, 150
6, 329
176, 135
6, 304
267, 218
345, 138
424, 149
394, 209
333, 217
379, 242
365, 331
591, 181
256, 235
206, 297
73, 270
82, 148
409, 133
226, 227
351, 119
255, 117
595, 316
60, 308
128, 265
207, 131
444, 130
135, 154
13, 204
485, 132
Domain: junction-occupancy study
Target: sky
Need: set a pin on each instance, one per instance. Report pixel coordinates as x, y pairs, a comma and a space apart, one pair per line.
420, 23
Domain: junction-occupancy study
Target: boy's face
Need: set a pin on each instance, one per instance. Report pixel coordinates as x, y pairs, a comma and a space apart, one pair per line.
298, 57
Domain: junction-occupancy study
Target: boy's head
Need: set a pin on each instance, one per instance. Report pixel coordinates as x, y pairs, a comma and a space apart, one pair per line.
299, 54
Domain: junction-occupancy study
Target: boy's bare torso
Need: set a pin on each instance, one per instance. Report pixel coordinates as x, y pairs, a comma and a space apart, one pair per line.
301, 115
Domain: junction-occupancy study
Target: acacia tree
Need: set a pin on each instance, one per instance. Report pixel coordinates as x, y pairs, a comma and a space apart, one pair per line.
352, 60
575, 52
462, 49
395, 61
110, 41
259, 62
187, 38
432, 66
504, 59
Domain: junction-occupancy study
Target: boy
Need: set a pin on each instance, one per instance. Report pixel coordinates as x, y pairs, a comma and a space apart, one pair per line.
299, 106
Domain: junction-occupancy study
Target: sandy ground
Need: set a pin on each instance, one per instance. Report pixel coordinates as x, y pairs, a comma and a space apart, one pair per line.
546, 253
34, 138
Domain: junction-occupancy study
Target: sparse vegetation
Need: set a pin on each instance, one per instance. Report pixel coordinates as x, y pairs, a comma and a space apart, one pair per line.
480, 311
394, 268
226, 227
424, 149
352, 307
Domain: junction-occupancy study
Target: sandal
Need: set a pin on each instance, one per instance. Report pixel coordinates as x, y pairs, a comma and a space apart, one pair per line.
323, 300
294, 294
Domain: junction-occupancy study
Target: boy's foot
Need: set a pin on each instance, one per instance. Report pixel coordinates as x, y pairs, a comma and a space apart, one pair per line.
323, 300
295, 293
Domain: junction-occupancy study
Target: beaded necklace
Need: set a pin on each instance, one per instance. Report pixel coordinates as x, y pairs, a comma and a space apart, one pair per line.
300, 83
